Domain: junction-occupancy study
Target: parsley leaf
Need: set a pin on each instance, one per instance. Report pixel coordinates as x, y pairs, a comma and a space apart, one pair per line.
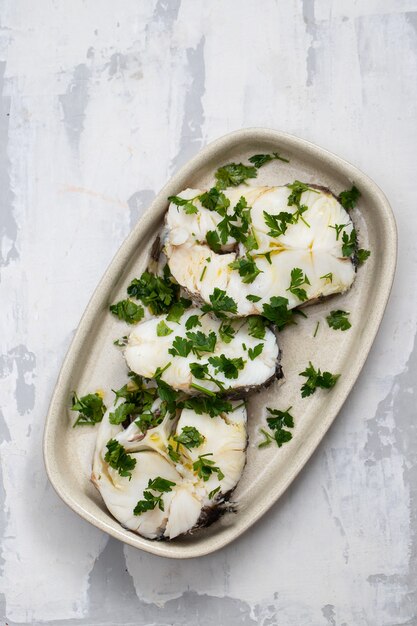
349, 243
253, 298
277, 312
157, 292
298, 278
247, 269
151, 501
177, 310
91, 409
258, 160
278, 224
276, 421
186, 204
229, 367
220, 302
162, 329
127, 311
213, 492
226, 332
338, 228
338, 320
181, 347
234, 174
256, 351
215, 200
256, 326
190, 437
201, 342
121, 342
362, 255
294, 199
212, 406
121, 413
200, 371
316, 379
205, 467
348, 199
192, 322
213, 240
117, 457
327, 277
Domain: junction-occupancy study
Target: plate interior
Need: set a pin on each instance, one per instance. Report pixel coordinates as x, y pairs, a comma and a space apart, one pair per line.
93, 362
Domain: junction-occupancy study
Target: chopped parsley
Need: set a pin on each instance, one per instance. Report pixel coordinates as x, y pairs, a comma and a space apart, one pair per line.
348, 199
349, 243
162, 329
213, 240
234, 174
278, 224
128, 311
362, 255
294, 199
121, 413
316, 379
177, 310
212, 406
277, 312
205, 467
200, 371
189, 437
201, 342
256, 326
186, 204
258, 160
215, 200
253, 298
203, 272
338, 320
256, 351
226, 331
298, 278
152, 500
327, 277
157, 292
117, 457
181, 347
91, 409
220, 302
247, 269
228, 367
338, 228
276, 421
317, 327
121, 342
192, 322
213, 492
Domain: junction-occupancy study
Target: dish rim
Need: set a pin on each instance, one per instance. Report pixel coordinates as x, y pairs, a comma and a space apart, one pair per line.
115, 269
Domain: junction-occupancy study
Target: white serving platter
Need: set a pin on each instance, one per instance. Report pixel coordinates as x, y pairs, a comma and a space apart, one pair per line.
93, 362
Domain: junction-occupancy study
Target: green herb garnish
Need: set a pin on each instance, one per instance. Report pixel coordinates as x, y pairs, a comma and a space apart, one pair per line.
278, 224
117, 457
338, 320
212, 406
220, 302
162, 329
256, 351
247, 269
152, 500
228, 367
258, 160
127, 311
362, 255
157, 292
277, 312
348, 199
205, 467
316, 379
189, 437
234, 174
276, 421
186, 204
91, 409
298, 278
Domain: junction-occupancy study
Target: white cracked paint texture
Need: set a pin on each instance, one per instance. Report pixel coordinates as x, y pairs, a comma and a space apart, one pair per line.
101, 102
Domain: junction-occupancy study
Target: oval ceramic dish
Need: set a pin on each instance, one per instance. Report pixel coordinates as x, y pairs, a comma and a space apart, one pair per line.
94, 362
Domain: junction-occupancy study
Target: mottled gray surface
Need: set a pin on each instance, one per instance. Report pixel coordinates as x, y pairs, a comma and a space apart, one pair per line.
100, 102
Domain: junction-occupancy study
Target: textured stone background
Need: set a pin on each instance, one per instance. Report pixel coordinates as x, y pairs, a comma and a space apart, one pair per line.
100, 102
